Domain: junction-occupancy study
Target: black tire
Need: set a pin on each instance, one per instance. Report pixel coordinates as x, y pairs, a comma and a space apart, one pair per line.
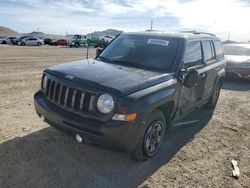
38, 44
22, 44
4, 42
77, 44
211, 104
152, 139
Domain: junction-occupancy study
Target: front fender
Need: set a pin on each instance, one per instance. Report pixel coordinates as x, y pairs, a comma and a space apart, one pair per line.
145, 101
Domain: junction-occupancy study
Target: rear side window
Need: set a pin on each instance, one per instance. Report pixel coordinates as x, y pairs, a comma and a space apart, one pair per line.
193, 54
218, 50
208, 51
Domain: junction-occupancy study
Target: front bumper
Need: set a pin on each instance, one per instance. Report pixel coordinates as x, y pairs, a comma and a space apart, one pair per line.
118, 135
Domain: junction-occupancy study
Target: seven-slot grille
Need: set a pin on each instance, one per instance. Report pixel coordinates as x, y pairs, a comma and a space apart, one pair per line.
68, 97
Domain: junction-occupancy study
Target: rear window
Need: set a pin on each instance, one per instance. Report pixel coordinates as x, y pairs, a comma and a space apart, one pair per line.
207, 51
243, 50
218, 50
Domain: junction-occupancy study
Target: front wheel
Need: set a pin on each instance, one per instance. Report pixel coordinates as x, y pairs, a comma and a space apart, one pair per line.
211, 104
22, 44
152, 139
39, 44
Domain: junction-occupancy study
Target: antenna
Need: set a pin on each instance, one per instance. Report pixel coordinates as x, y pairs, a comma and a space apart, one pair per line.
228, 37
87, 55
151, 27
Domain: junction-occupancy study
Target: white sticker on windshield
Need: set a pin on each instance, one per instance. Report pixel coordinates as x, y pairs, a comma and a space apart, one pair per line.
158, 42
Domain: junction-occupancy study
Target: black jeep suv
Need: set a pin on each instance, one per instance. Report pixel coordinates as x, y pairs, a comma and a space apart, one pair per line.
127, 96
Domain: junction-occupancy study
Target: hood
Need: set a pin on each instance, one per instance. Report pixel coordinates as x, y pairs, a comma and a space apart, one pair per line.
118, 79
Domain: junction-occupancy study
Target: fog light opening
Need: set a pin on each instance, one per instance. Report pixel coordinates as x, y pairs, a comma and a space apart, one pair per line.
78, 138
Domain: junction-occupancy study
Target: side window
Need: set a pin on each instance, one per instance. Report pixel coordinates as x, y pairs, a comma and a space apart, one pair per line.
208, 51
218, 50
193, 54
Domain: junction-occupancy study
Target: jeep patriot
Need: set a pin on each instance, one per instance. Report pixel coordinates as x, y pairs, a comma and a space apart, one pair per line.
128, 95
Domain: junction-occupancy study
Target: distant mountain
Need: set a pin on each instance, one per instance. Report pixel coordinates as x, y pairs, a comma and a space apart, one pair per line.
4, 31
42, 35
109, 32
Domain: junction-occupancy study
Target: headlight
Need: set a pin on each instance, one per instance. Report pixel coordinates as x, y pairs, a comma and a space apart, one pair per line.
105, 103
44, 82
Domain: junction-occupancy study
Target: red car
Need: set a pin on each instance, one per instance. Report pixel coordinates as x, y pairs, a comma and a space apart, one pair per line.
238, 60
61, 42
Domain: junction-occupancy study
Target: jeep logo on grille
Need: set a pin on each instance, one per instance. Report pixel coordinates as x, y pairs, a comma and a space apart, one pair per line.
69, 77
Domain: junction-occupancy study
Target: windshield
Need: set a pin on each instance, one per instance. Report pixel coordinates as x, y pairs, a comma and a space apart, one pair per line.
146, 52
237, 50
76, 37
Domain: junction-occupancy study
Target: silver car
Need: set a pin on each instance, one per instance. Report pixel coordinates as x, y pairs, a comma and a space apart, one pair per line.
8, 40
31, 41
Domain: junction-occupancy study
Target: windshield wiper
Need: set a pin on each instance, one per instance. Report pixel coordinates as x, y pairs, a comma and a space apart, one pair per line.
104, 59
129, 63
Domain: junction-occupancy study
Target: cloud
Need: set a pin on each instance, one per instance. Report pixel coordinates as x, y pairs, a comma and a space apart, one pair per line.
82, 16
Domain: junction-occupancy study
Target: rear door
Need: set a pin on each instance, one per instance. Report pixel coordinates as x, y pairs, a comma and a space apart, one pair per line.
210, 61
190, 98
214, 60
28, 41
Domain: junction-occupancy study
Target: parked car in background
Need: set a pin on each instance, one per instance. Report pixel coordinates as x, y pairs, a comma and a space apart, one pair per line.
238, 60
106, 38
8, 40
2, 38
31, 41
15, 41
82, 40
47, 41
59, 42
78, 40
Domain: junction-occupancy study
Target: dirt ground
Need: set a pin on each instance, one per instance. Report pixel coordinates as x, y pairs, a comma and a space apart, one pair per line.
32, 154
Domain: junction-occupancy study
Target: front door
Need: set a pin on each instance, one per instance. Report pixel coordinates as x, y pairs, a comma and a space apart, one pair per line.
190, 98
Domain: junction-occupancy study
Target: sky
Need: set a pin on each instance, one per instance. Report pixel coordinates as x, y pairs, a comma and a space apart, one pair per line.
222, 17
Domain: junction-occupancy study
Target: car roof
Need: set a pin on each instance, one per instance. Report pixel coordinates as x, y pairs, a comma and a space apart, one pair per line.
182, 35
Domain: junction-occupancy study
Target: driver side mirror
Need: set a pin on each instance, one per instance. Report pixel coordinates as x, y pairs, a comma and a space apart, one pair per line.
191, 79
98, 51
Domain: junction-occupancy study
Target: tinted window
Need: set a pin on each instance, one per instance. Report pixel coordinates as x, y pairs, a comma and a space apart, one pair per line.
237, 50
218, 49
149, 52
193, 54
207, 51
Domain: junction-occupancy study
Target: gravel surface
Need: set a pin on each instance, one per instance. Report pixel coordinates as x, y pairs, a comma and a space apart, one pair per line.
32, 154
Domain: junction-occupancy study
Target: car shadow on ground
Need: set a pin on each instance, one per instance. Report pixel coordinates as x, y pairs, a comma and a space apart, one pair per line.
236, 84
48, 158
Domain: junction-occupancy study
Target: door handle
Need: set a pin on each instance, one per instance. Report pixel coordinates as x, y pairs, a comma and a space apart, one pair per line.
203, 75
217, 68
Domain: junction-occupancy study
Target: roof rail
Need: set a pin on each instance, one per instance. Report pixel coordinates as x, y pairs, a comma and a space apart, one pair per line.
198, 33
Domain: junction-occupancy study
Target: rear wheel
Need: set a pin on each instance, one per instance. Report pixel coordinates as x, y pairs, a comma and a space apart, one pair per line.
22, 44
152, 139
4, 42
214, 97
